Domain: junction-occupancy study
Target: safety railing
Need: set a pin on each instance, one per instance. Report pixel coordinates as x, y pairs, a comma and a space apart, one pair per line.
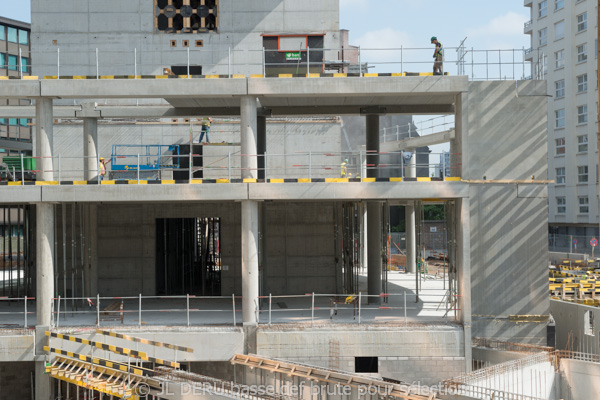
580, 244
478, 64
224, 164
418, 128
189, 310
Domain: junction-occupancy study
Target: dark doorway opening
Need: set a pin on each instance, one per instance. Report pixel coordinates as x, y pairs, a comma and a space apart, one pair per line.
182, 172
366, 365
183, 69
188, 256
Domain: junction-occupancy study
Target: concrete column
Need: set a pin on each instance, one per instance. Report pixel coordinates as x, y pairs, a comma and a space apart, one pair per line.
44, 291
249, 261
411, 237
44, 124
373, 213
463, 256
249, 130
261, 144
90, 148
459, 157
93, 249
372, 146
411, 171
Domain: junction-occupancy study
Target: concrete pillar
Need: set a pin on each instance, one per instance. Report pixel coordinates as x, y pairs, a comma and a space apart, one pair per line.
249, 129
463, 256
411, 237
249, 261
411, 171
44, 291
261, 144
90, 148
44, 124
374, 247
373, 213
93, 249
372, 146
459, 156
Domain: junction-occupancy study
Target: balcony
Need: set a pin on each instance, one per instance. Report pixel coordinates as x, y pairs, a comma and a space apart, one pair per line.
528, 54
528, 28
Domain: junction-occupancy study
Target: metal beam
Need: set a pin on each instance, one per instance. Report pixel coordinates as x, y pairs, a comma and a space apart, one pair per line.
14, 145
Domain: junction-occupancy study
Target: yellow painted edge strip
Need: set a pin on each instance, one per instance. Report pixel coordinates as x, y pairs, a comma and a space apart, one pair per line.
249, 180
222, 180
134, 77
80, 183
276, 180
340, 75
423, 179
426, 74
257, 76
211, 77
79, 77
51, 77
196, 181
107, 182
397, 73
370, 75
452, 179
369, 179
314, 75
303, 180
107, 77
30, 78
46, 183
4, 78
238, 76
161, 77
14, 183
286, 75
395, 179
167, 182
336, 180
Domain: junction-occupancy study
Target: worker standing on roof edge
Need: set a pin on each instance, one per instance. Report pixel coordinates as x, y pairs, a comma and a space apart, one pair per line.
344, 168
205, 128
438, 55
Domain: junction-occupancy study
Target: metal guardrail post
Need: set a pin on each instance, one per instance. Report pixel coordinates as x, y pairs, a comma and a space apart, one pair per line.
97, 310
25, 326
309, 166
190, 170
312, 310
401, 59
359, 62
140, 311
264, 62
135, 63
270, 308
360, 165
187, 298
266, 180
405, 319
233, 302
359, 305
229, 63
229, 166
138, 169
97, 65
59, 169
58, 63
188, 65
58, 313
307, 61
22, 172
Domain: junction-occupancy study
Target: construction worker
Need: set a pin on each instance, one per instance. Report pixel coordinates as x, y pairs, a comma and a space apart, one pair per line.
344, 168
438, 56
205, 128
102, 168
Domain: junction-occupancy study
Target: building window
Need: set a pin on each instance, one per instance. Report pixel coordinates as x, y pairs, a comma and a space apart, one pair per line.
2, 33
543, 34
559, 30
561, 205
582, 83
588, 323
24, 65
2, 60
560, 146
560, 175
12, 34
559, 118
582, 22
23, 37
559, 87
582, 53
195, 17
582, 114
582, 174
559, 4
582, 144
542, 8
559, 56
584, 205
12, 62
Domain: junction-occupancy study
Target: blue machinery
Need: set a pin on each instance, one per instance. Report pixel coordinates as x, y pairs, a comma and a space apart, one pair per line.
152, 157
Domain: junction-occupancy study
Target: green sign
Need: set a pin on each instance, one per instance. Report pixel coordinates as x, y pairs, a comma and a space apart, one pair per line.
292, 56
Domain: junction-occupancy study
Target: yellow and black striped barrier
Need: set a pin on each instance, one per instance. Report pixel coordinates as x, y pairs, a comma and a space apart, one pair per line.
222, 181
115, 349
101, 361
145, 341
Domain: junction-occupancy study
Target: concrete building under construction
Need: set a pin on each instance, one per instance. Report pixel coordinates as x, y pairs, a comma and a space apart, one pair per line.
255, 249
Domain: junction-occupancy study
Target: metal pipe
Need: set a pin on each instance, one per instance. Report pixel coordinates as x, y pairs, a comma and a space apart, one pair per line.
307, 61
309, 166
97, 65
359, 305
59, 169
229, 64
269, 309
405, 319
138, 168
58, 313
359, 63
22, 171
140, 311
187, 298
135, 63
312, 309
97, 309
25, 326
188, 62
233, 302
58, 63
229, 166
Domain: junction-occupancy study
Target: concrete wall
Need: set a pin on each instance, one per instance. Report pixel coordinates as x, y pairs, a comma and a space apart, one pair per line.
493, 357
16, 380
570, 333
509, 252
428, 355
580, 380
285, 138
117, 28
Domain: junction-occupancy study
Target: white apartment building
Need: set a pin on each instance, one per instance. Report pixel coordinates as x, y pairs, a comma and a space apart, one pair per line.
564, 52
